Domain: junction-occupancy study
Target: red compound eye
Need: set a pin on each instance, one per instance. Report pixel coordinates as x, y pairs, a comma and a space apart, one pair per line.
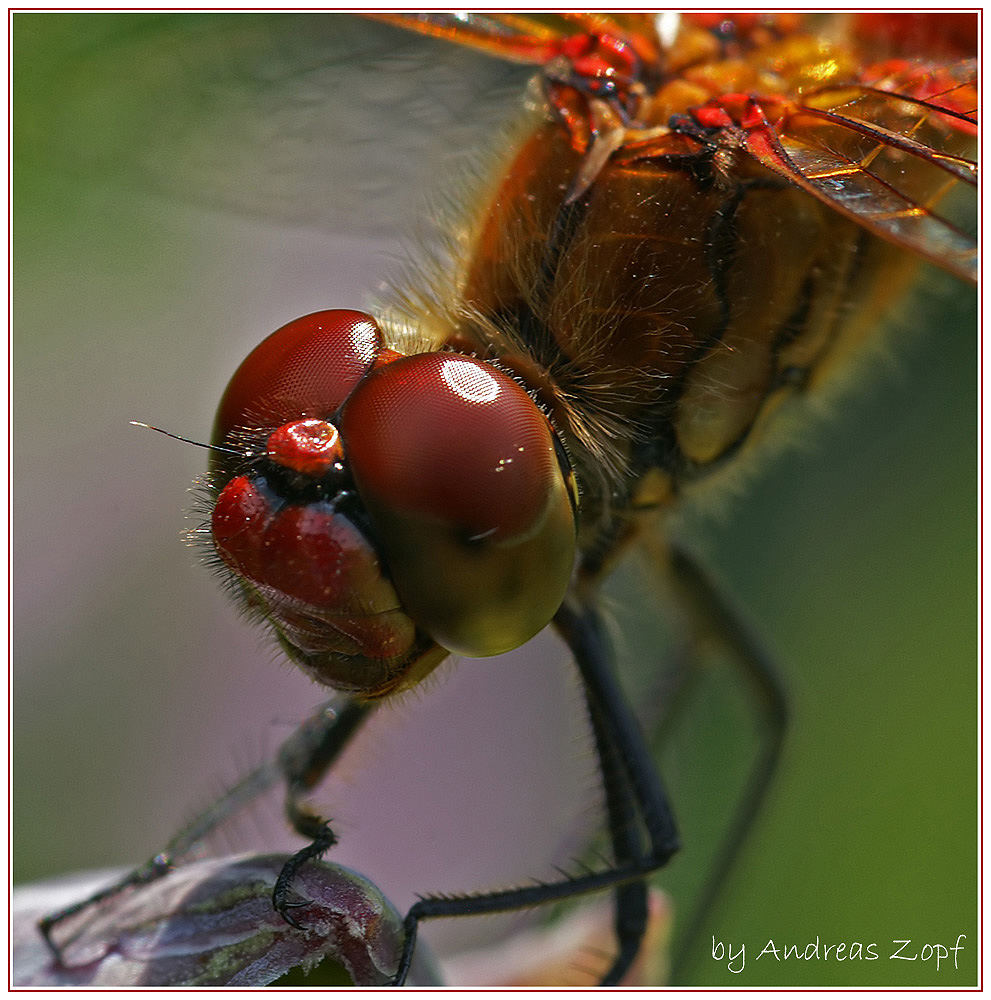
305, 369
458, 471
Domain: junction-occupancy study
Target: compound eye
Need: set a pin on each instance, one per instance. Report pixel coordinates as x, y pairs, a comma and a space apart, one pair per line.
306, 368
459, 473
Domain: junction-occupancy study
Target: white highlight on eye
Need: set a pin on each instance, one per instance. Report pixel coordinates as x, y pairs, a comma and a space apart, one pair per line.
364, 338
469, 381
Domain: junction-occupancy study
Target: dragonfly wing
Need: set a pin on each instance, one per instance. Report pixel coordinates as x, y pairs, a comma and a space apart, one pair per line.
887, 158
321, 120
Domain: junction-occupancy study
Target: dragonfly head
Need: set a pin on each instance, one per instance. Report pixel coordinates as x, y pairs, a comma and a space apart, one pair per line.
381, 510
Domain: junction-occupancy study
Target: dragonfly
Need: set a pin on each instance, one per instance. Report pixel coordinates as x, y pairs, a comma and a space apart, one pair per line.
773, 155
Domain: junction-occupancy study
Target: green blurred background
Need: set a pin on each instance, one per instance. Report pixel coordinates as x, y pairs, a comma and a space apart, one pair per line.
183, 185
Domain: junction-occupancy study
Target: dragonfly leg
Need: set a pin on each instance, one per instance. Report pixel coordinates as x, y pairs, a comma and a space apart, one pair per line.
303, 761
630, 779
714, 619
621, 810
639, 799
631, 912
152, 869
238, 795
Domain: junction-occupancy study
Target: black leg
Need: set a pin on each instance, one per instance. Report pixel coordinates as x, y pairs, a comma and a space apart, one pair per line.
301, 761
631, 897
248, 788
643, 800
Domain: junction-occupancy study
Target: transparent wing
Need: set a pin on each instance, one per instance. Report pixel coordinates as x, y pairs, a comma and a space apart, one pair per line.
325, 120
887, 154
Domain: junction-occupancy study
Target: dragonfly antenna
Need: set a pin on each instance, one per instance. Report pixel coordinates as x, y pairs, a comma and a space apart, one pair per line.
199, 444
